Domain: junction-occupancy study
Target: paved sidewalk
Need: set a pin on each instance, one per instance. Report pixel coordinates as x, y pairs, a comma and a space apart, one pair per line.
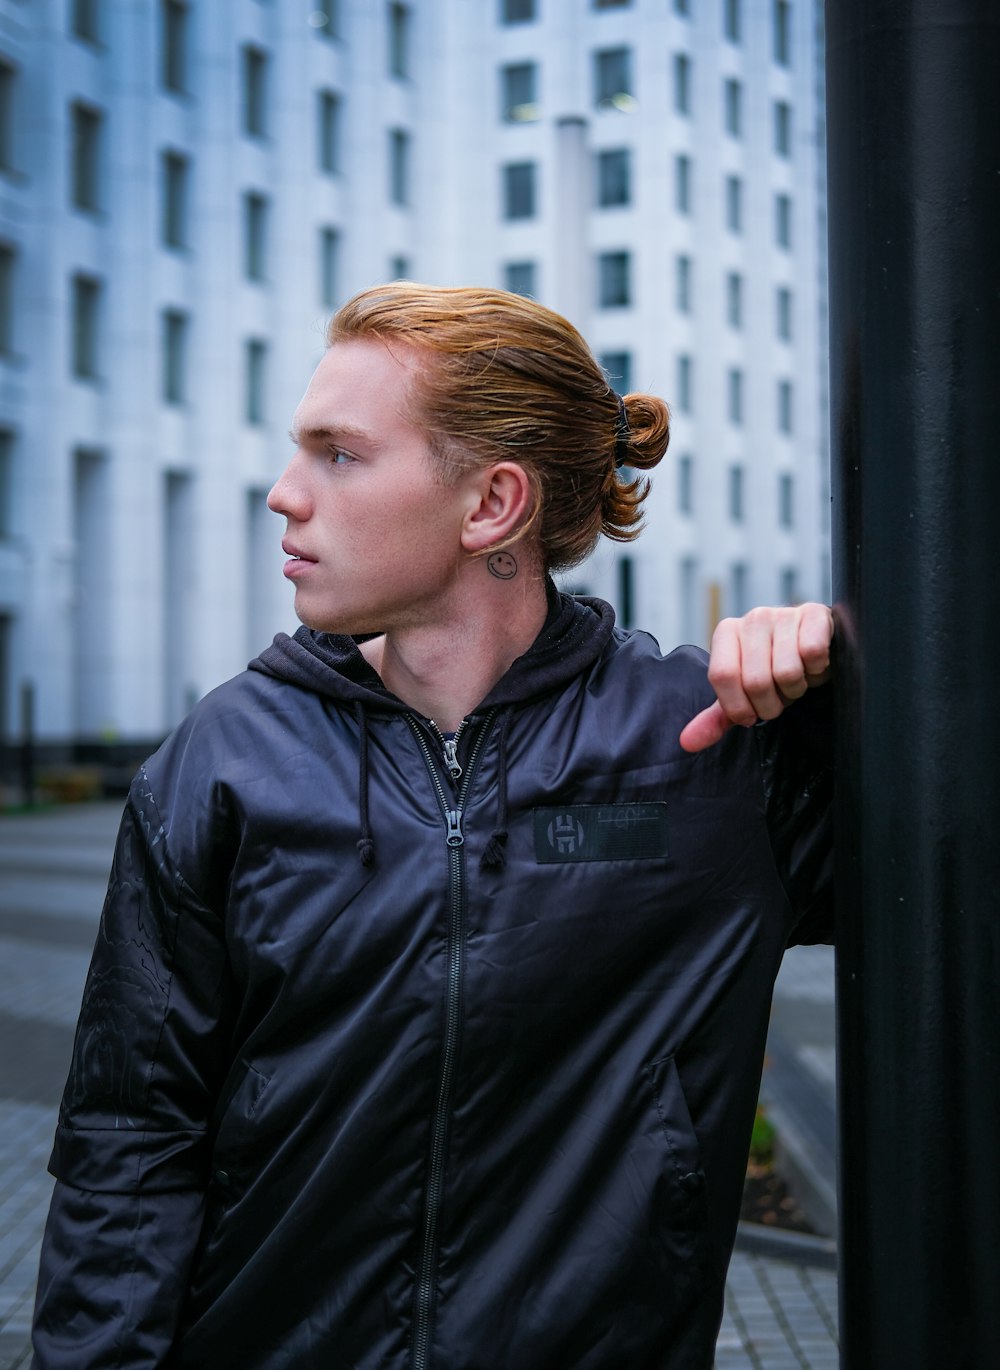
780, 1312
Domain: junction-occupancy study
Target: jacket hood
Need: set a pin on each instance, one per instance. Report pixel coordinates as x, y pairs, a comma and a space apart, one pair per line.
575, 633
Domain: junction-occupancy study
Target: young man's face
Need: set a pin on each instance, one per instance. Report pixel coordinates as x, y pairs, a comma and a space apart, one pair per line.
373, 534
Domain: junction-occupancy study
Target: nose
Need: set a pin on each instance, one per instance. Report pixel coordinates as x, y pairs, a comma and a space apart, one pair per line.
288, 494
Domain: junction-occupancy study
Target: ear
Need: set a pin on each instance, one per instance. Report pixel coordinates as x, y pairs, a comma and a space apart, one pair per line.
502, 498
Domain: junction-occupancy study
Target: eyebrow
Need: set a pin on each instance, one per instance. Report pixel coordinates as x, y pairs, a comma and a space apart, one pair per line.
316, 437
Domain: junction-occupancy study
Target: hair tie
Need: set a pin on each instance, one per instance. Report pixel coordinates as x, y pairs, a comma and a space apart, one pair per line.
623, 436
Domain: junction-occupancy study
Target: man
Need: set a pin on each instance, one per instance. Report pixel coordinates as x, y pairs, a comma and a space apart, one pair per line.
426, 1017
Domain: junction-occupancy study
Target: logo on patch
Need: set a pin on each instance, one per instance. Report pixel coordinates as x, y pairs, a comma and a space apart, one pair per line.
601, 832
565, 834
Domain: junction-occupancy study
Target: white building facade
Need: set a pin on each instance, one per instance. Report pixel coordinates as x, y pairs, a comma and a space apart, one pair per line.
189, 187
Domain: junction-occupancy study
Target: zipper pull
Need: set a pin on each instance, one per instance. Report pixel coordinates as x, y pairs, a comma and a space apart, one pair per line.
451, 757
454, 836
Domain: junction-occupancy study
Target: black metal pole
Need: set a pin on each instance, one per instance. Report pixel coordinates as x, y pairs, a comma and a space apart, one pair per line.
914, 196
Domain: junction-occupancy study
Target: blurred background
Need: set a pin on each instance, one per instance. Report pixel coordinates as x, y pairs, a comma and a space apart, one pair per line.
189, 189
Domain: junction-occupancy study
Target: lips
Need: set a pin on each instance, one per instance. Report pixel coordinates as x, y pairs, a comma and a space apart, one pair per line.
296, 553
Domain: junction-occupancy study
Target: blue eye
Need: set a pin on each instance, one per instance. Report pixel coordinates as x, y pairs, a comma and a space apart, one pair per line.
340, 458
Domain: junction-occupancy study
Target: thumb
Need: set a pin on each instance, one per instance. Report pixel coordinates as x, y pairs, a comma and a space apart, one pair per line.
705, 729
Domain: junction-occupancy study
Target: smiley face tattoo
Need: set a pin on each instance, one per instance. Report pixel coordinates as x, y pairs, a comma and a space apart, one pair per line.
502, 565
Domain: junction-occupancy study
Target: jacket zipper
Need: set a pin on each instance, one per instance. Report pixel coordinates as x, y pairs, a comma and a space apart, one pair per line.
452, 809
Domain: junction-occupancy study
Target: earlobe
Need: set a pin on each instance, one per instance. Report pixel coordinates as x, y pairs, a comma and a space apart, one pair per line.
503, 502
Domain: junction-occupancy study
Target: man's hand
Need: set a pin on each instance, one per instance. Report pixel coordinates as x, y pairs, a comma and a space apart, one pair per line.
760, 663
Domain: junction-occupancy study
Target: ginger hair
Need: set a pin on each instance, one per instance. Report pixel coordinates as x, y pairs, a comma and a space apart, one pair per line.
505, 379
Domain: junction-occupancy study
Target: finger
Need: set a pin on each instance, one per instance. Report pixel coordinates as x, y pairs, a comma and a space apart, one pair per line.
757, 644
815, 640
726, 673
787, 666
705, 729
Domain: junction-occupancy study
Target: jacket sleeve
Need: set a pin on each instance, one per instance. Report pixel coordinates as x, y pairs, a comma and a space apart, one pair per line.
132, 1143
796, 757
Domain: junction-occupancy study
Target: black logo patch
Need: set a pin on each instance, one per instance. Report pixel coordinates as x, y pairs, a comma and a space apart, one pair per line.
601, 832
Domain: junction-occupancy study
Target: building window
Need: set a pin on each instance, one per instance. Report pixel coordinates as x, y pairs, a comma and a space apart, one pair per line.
788, 586
254, 92
734, 395
782, 128
399, 41
734, 204
8, 270
739, 598
782, 32
733, 107
519, 190
784, 406
255, 360
87, 125
614, 178
736, 493
8, 87
683, 283
328, 142
6, 489
786, 511
329, 258
731, 20
325, 18
255, 214
617, 366
783, 309
175, 335
783, 220
520, 278
626, 590
86, 298
174, 179
519, 92
610, 4
734, 299
685, 485
399, 167
174, 53
614, 287
685, 384
399, 268
682, 183
85, 20
517, 11
613, 78
682, 83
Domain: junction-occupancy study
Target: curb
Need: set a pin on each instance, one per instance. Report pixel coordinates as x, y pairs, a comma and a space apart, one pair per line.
754, 1239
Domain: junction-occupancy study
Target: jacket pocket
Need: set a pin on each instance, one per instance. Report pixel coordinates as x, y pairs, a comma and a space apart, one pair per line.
230, 1152
685, 1179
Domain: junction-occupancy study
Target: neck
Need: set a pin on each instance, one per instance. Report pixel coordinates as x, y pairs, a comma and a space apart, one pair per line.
443, 670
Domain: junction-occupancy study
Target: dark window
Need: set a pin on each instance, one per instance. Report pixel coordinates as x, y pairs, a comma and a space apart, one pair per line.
255, 361
8, 92
174, 64
783, 310
734, 204
685, 485
399, 167
782, 32
328, 108
682, 183
254, 92
617, 366
8, 271
399, 41
614, 287
734, 395
734, 299
783, 220
255, 215
85, 333
517, 11
784, 406
682, 83
788, 586
626, 590
786, 510
736, 493
7, 457
520, 278
329, 260
733, 107
519, 92
88, 125
685, 384
731, 17
325, 18
399, 269
174, 175
682, 7
175, 334
610, 4
684, 283
614, 180
739, 598
85, 20
782, 128
613, 78
519, 190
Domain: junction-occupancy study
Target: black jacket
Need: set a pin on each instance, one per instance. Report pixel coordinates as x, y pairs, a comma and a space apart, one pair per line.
377, 1067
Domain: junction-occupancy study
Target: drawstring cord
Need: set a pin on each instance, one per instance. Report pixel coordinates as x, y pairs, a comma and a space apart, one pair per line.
366, 844
494, 858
